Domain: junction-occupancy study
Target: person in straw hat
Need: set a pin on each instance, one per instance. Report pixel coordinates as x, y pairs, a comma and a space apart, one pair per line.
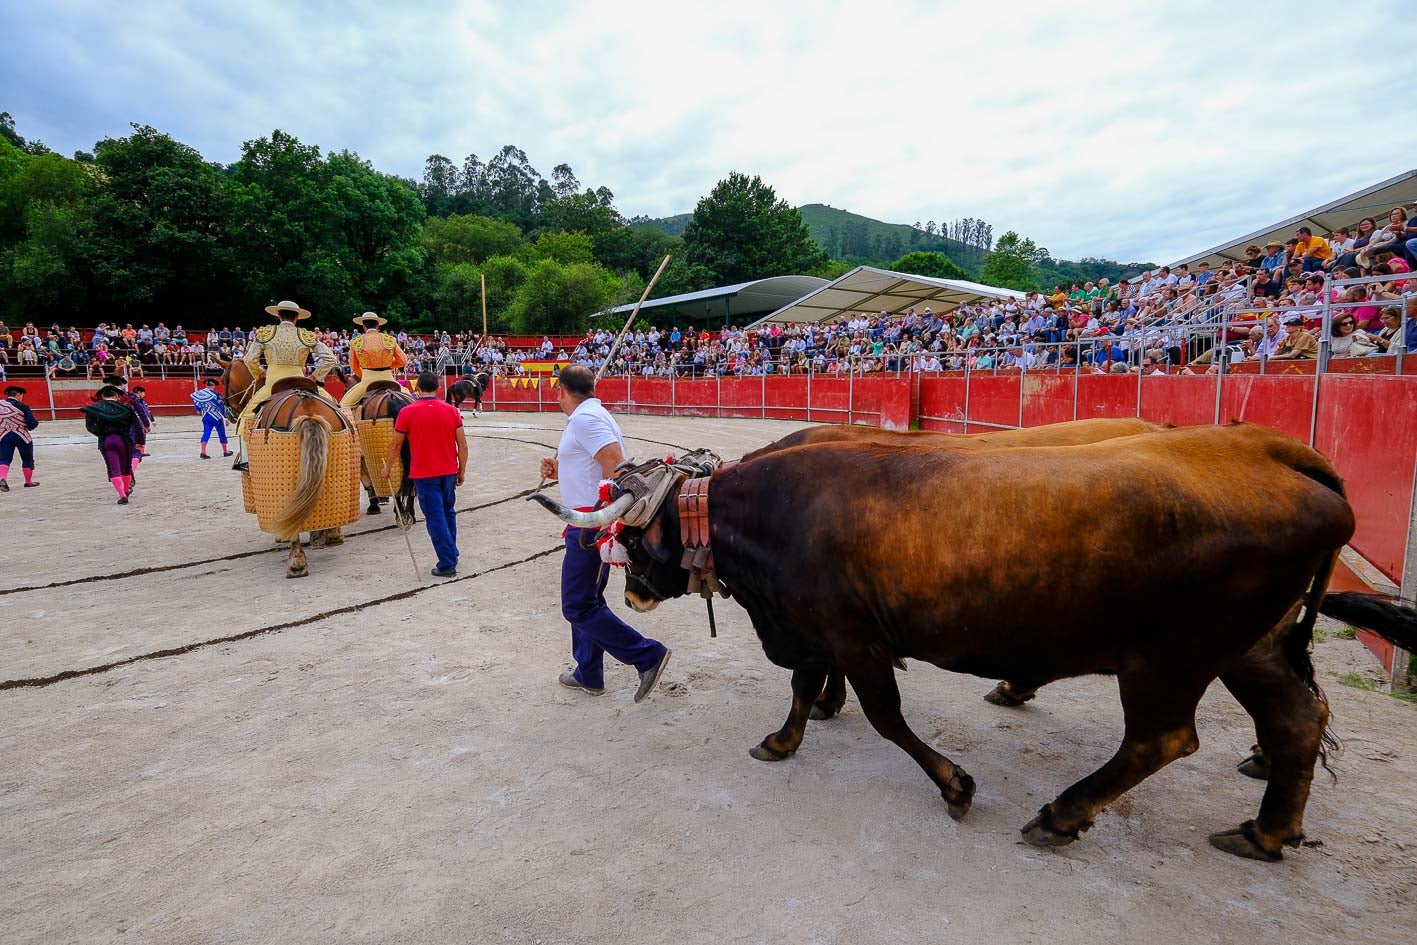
277, 352
373, 356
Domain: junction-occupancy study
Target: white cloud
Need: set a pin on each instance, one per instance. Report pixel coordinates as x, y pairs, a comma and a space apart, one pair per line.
1104, 129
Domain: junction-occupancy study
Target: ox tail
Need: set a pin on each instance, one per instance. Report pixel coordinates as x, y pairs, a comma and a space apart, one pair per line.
314, 461
1298, 642
1388, 617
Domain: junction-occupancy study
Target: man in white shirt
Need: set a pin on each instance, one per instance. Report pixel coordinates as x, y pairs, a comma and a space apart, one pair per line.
590, 449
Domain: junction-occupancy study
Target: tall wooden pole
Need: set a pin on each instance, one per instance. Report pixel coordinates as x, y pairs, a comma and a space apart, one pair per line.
629, 321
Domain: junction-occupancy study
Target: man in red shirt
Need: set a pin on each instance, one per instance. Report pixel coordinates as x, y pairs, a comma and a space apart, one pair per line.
437, 451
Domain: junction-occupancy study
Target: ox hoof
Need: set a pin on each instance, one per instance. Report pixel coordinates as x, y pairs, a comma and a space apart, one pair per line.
1256, 766
1040, 831
821, 713
1242, 842
1003, 695
962, 787
761, 752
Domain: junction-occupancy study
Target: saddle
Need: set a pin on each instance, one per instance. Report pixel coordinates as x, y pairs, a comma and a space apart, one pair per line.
278, 413
384, 400
295, 383
382, 385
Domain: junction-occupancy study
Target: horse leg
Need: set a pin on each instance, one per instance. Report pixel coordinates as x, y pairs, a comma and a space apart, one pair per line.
368, 484
806, 686
1160, 727
833, 697
296, 566
879, 696
1290, 720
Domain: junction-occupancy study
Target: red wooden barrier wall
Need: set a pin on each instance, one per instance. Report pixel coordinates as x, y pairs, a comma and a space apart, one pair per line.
1367, 424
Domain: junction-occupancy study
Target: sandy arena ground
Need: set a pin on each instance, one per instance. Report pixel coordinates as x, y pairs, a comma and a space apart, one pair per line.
410, 772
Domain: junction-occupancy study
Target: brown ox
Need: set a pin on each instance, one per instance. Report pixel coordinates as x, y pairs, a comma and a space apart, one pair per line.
924, 563
1007, 692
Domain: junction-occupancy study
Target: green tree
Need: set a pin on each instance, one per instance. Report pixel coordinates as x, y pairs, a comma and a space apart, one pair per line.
1011, 263
559, 299
468, 238
937, 265
742, 231
333, 234
563, 248
832, 269
160, 245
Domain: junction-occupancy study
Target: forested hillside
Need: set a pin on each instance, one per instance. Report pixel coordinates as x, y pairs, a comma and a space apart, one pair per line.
144, 228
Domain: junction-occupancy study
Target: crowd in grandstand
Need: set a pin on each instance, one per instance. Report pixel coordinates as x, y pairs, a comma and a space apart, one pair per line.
1267, 306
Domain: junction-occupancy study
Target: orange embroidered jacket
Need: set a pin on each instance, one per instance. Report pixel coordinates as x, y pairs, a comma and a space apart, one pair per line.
375, 351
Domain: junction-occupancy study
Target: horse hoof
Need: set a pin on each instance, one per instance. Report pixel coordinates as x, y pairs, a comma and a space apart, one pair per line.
1256, 766
373, 509
1040, 833
761, 752
962, 786
297, 572
1241, 842
1003, 695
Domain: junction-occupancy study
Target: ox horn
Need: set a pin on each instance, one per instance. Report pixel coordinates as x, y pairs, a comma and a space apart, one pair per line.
597, 519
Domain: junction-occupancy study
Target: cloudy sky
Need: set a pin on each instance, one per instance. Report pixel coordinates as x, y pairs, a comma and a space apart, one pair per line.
1101, 129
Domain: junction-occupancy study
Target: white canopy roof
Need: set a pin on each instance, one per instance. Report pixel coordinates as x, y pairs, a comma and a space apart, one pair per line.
868, 289
744, 300
1374, 201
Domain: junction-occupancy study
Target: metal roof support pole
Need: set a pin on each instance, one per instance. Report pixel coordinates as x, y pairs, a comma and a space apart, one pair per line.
1221, 364
49, 386
1325, 326
966, 396
850, 389
673, 392
763, 400
1022, 376
718, 392
1077, 375
1402, 338
1141, 372
1399, 678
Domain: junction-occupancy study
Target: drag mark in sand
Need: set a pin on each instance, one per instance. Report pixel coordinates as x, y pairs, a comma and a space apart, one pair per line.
41, 681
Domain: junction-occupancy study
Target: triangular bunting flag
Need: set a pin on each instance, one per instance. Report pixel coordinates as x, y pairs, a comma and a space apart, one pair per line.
536, 382
555, 380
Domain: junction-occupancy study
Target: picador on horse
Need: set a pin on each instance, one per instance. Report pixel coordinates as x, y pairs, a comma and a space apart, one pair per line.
376, 401
299, 451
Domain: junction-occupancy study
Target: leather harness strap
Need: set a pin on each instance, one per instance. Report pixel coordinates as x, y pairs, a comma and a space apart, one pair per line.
693, 508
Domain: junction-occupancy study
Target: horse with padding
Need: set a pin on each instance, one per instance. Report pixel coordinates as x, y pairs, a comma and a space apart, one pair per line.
1002, 582
304, 463
374, 417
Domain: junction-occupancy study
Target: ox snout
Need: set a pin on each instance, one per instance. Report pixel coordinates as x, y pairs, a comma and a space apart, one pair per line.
640, 605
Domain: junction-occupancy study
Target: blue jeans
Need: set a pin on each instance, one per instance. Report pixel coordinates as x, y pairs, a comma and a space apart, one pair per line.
436, 497
595, 630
